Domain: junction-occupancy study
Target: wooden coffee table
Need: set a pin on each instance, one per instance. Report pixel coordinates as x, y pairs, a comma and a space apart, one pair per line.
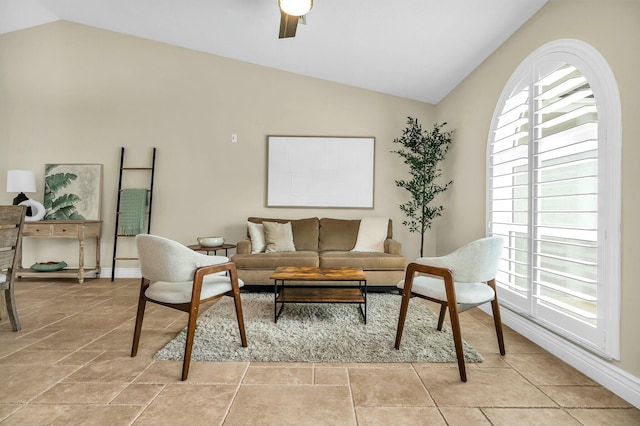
318, 293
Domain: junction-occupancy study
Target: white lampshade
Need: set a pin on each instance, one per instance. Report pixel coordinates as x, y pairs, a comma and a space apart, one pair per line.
21, 181
296, 7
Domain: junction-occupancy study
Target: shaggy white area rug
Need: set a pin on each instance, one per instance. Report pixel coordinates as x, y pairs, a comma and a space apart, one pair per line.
318, 333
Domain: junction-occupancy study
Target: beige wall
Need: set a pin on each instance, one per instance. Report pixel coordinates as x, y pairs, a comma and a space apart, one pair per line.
613, 28
75, 94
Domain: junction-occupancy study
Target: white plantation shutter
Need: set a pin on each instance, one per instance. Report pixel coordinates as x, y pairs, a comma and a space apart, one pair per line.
548, 196
509, 192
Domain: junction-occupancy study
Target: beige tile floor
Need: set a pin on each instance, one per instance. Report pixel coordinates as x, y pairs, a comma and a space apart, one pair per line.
70, 364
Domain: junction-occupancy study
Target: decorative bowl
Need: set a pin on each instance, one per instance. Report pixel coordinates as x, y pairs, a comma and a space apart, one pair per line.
49, 266
210, 241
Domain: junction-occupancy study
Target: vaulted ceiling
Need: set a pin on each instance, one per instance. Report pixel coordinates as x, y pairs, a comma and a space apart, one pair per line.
416, 49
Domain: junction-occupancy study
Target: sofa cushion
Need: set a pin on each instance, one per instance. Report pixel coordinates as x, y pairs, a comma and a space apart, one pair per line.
305, 231
273, 260
338, 234
363, 260
371, 234
256, 235
278, 237
341, 234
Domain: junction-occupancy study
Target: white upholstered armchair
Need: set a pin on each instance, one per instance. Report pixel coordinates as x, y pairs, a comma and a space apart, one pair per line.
460, 280
175, 276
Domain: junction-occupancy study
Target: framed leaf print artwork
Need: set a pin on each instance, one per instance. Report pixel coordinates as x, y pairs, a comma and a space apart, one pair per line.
72, 191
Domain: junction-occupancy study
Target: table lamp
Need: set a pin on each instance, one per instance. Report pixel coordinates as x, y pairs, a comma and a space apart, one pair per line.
24, 181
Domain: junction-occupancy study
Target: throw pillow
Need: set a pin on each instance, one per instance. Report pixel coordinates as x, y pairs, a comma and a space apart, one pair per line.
278, 237
256, 235
371, 234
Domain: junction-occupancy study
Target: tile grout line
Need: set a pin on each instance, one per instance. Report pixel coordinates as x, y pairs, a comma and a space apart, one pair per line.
353, 403
426, 388
235, 394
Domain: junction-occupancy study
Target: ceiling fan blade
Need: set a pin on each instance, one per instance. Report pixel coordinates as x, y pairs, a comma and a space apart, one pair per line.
288, 25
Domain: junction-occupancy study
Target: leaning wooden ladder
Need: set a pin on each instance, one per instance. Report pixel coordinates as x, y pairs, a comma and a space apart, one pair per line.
117, 234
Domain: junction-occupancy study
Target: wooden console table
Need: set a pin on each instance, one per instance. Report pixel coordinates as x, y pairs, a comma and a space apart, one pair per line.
78, 229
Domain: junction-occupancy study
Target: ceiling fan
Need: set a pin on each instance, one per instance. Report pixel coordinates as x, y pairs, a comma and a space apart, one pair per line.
291, 11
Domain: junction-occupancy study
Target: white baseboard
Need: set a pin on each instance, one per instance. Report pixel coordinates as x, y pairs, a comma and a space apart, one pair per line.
618, 381
121, 273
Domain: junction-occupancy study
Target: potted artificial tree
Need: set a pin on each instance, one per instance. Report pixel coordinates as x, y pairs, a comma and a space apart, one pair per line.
422, 151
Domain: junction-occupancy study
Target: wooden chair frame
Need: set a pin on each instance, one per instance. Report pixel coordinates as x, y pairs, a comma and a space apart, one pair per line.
192, 308
447, 276
11, 224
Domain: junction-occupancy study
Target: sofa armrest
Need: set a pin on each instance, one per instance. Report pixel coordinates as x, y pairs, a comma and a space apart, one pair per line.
392, 246
243, 247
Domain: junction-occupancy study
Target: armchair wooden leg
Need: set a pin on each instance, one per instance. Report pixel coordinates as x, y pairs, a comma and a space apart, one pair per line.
443, 312
11, 309
457, 341
188, 346
142, 302
238, 304
404, 306
497, 320
455, 324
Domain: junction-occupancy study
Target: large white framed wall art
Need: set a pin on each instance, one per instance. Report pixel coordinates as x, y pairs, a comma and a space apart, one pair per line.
315, 171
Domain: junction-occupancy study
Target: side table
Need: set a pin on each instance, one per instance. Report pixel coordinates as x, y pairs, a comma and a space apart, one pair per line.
225, 247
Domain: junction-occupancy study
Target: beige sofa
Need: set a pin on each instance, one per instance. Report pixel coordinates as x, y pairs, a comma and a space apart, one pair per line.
325, 243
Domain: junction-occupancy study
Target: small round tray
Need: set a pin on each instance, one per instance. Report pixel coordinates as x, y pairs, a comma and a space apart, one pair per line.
48, 266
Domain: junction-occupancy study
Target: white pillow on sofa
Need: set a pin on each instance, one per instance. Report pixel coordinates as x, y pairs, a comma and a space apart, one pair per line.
278, 236
256, 235
371, 234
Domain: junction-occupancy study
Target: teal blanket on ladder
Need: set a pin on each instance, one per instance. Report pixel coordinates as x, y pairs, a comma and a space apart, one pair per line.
132, 211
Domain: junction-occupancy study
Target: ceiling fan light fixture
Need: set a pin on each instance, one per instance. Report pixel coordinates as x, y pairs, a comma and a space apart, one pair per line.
295, 7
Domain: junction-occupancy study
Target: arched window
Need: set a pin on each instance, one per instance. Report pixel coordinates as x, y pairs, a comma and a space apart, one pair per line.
553, 181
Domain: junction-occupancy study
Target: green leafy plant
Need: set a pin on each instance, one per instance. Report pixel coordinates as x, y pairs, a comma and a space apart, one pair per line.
60, 207
422, 151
